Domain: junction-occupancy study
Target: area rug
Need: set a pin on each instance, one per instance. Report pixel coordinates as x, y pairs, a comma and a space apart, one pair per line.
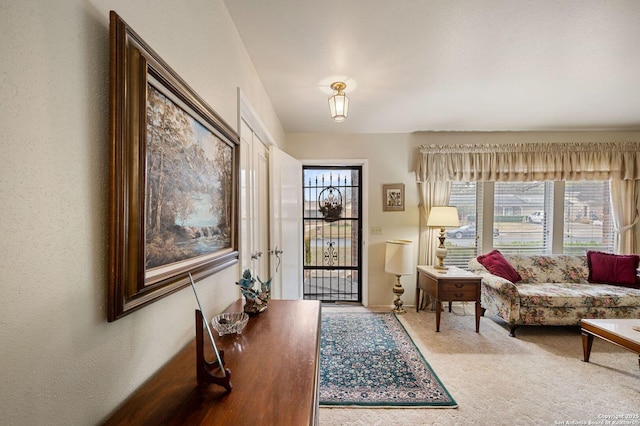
368, 360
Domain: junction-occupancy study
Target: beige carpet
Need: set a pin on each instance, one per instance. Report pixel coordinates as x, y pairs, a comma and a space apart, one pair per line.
536, 378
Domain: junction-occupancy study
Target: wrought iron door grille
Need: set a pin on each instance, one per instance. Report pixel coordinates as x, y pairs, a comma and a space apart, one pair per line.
332, 237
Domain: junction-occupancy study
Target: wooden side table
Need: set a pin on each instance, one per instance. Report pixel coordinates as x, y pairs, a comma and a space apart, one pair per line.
452, 284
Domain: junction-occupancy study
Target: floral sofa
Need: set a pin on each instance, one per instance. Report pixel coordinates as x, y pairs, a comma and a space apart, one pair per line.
553, 290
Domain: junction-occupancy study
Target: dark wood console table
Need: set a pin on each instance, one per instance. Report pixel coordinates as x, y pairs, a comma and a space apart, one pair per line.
274, 372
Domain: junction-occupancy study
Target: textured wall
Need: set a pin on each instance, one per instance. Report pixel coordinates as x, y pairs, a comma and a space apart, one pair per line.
61, 362
391, 159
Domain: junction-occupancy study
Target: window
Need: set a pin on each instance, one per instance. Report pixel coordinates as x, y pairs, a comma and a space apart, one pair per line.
587, 217
525, 220
462, 243
522, 217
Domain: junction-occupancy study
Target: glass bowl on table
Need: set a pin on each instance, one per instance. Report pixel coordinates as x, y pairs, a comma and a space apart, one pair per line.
230, 322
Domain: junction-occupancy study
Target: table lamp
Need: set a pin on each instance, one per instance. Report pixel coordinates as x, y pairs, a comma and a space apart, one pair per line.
399, 261
441, 217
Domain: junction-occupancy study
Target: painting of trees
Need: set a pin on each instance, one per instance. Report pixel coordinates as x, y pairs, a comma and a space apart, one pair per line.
189, 178
173, 179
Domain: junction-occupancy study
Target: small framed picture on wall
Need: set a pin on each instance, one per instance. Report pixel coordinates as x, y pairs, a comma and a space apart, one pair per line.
393, 197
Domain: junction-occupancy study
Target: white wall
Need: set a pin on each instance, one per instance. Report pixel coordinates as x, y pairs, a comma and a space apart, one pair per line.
60, 361
391, 159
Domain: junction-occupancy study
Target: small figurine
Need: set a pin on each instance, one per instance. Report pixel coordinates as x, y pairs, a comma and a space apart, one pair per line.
256, 299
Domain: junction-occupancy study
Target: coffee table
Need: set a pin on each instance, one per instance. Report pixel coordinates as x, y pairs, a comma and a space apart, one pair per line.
620, 332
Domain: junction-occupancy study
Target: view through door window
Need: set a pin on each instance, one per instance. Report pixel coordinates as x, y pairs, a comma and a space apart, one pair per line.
332, 237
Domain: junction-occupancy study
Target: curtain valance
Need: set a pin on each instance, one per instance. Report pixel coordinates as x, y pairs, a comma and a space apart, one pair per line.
529, 162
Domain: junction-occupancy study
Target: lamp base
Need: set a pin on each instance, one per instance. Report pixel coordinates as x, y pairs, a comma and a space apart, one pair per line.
398, 291
441, 251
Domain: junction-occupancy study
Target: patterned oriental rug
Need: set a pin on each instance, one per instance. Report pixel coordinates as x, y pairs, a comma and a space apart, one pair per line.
368, 360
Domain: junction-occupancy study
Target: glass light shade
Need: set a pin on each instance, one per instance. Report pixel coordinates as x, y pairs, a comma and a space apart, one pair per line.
443, 216
399, 257
339, 106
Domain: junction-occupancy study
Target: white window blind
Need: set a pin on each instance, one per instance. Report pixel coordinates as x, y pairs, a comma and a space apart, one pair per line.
523, 215
587, 217
523, 218
462, 243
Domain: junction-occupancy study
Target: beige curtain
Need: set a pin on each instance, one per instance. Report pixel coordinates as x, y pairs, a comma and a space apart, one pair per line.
529, 162
624, 204
618, 162
430, 194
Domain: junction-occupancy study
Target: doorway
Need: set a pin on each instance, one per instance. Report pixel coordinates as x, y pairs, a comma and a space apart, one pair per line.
332, 223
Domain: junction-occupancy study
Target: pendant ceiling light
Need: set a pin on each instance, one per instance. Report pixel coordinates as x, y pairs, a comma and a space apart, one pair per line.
339, 103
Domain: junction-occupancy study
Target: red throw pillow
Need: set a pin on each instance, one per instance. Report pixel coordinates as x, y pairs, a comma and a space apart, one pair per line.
495, 263
609, 268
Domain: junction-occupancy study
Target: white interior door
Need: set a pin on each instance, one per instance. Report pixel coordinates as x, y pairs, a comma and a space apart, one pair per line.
246, 243
254, 203
285, 191
260, 258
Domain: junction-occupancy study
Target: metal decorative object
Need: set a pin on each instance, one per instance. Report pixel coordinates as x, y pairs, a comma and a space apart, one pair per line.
330, 203
331, 255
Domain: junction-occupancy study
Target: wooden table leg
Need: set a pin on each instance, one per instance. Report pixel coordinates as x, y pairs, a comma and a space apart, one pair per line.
587, 343
478, 310
438, 311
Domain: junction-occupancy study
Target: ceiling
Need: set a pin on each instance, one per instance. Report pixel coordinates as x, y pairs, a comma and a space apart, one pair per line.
447, 65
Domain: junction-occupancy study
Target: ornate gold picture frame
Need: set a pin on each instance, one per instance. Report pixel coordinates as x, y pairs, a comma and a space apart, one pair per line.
173, 186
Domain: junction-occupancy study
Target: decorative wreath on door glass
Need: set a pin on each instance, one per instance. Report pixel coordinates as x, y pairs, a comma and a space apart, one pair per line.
330, 203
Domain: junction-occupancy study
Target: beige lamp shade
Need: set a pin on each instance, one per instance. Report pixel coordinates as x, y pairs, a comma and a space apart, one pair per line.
399, 257
443, 216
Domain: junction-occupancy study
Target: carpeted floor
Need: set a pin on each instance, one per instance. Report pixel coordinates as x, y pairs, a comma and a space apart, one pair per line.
537, 378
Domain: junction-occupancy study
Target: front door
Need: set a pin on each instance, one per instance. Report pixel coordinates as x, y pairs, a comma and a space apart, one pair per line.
332, 233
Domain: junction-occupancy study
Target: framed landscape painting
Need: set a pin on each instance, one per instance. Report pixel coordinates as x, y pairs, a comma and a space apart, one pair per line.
173, 179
